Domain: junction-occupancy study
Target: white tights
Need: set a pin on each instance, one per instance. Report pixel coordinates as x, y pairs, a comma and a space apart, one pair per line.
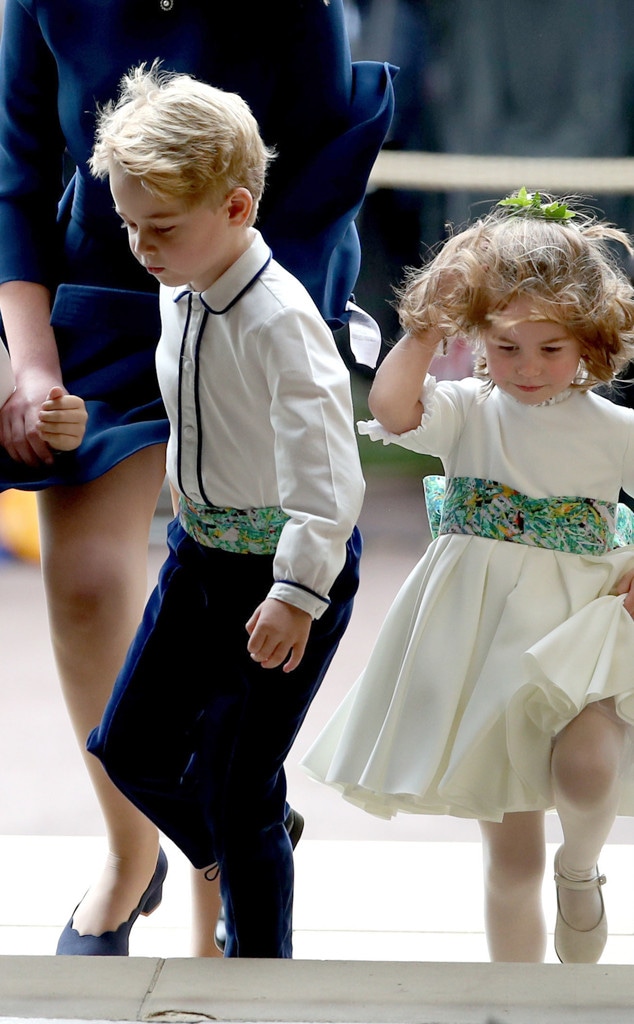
586, 771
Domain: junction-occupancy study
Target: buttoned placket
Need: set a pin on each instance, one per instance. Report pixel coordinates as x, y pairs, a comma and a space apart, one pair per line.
190, 427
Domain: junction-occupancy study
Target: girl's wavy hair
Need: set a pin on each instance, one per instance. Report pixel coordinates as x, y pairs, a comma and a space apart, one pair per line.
568, 269
182, 138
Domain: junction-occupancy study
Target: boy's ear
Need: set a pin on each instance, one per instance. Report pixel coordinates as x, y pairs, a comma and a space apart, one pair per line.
239, 205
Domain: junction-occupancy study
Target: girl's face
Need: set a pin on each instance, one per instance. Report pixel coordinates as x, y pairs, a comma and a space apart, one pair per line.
532, 360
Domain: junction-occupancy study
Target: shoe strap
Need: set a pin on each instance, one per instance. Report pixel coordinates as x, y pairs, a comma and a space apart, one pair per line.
579, 886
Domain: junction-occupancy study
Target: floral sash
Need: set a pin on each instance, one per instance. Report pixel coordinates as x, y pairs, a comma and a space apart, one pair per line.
252, 531
490, 509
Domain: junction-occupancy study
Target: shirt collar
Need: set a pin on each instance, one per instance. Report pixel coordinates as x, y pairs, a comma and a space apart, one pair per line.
240, 276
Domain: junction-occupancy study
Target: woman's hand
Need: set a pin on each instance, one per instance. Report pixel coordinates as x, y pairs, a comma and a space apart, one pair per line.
26, 314
20, 423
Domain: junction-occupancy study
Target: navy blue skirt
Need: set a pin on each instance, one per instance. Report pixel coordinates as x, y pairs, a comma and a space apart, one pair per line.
116, 377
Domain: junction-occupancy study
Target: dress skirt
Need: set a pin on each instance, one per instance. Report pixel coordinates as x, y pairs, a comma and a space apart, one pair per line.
488, 651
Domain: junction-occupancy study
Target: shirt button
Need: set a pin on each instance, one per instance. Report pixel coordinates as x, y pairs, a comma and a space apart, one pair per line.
189, 433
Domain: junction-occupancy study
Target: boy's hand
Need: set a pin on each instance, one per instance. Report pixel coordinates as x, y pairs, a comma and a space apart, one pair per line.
626, 586
276, 629
62, 420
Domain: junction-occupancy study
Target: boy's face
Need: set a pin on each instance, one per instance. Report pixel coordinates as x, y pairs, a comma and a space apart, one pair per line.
175, 243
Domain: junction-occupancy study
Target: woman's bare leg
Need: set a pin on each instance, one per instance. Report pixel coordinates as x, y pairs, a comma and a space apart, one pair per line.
94, 542
586, 771
514, 860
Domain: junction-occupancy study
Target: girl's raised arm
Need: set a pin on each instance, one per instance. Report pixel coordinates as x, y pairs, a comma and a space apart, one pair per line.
395, 396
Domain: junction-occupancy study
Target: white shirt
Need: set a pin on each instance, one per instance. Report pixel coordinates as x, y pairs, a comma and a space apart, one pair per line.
260, 413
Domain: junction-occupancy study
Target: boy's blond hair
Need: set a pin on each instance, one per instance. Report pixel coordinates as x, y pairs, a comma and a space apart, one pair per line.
182, 138
567, 270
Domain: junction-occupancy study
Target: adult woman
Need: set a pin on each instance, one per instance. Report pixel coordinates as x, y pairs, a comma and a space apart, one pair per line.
59, 59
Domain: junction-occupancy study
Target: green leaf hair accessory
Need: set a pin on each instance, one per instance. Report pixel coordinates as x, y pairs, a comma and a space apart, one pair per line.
530, 205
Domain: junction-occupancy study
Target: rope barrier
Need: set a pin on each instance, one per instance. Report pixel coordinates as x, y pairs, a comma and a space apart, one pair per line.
447, 172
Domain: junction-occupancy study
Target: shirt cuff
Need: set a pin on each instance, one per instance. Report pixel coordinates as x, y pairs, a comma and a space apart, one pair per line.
298, 596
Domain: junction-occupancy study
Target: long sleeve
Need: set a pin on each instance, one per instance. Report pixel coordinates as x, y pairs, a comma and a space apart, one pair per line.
31, 152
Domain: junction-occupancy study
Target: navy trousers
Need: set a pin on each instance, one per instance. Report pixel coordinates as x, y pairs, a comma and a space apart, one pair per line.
196, 733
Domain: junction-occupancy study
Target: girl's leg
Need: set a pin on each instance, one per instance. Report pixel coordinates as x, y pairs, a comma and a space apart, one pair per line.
586, 772
94, 543
514, 858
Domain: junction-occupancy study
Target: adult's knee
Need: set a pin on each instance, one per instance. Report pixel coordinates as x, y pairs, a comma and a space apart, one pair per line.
84, 582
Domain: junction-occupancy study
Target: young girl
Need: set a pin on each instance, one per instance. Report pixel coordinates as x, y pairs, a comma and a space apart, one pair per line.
502, 682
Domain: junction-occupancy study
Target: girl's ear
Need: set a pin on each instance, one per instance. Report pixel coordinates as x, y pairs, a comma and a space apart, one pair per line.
239, 205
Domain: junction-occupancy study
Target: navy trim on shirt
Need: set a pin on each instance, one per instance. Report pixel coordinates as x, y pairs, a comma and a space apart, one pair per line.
219, 312
307, 590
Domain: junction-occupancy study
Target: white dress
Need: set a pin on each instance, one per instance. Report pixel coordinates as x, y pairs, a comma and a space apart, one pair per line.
491, 647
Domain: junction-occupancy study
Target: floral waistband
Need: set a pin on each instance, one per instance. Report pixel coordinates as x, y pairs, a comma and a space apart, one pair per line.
248, 531
489, 509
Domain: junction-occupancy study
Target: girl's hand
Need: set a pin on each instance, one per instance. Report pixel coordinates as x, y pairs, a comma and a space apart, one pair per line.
277, 629
62, 420
626, 586
20, 419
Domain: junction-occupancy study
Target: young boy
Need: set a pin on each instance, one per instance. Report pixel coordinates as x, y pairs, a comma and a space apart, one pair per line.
258, 585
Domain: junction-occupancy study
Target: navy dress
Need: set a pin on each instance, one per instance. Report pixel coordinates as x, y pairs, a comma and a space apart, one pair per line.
325, 116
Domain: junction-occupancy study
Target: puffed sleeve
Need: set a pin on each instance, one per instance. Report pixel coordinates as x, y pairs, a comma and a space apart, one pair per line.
446, 404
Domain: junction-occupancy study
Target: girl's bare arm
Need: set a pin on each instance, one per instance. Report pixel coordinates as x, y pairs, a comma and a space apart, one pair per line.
395, 396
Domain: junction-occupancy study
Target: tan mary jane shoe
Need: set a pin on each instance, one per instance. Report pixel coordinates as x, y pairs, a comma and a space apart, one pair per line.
571, 945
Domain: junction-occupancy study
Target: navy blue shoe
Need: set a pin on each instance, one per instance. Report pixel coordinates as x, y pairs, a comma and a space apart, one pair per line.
116, 943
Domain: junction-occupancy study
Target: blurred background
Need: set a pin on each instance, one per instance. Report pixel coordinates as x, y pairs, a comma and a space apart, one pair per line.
545, 79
